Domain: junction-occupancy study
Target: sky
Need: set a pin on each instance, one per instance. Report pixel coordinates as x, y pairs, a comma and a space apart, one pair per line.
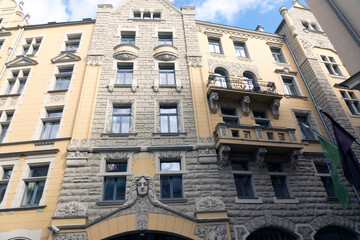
239, 13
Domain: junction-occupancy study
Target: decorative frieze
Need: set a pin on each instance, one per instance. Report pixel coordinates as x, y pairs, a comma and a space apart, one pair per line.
245, 103
95, 60
70, 236
211, 232
195, 62
210, 204
275, 105
71, 209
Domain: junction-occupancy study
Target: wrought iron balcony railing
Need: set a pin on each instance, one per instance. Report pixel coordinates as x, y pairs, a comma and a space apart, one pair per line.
246, 85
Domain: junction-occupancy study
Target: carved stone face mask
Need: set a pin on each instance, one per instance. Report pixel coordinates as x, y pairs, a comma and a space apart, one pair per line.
142, 187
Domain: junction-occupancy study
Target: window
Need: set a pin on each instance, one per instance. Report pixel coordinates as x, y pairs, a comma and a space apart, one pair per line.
34, 185
147, 15
261, 118
243, 182
128, 38
121, 119
157, 16
115, 186
220, 79
331, 65
278, 55
4, 182
4, 130
306, 25
352, 102
31, 46
165, 39
323, 171
306, 132
229, 115
17, 81
168, 119
240, 50
166, 74
7, 116
137, 15
171, 184
1, 42
250, 82
214, 45
73, 42
51, 124
124, 74
278, 180
334, 232
290, 86
63, 78
270, 233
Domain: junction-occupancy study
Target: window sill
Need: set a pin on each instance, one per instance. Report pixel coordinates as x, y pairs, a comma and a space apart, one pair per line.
294, 96
337, 76
247, 59
167, 86
172, 172
354, 116
110, 203
248, 200
286, 200
173, 200
22, 208
122, 85
282, 63
306, 141
179, 134
58, 91
118, 134
11, 95
221, 55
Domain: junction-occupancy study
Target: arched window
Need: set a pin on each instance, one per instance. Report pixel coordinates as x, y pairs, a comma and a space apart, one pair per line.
250, 82
270, 233
221, 78
334, 233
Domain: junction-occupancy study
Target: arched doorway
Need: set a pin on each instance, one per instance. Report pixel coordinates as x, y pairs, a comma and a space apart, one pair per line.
251, 83
334, 233
221, 78
271, 234
147, 235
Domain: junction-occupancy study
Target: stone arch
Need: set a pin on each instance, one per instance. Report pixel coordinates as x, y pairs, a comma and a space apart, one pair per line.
335, 231
323, 221
223, 70
123, 236
271, 221
251, 69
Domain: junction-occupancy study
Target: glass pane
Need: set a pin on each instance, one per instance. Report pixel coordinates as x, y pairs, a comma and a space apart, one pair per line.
38, 193
162, 78
115, 128
164, 124
171, 78
46, 131
168, 110
29, 191
52, 114
120, 188
39, 171
122, 111
116, 167
2, 191
279, 185
329, 187
128, 78
170, 166
243, 186
4, 130
322, 168
165, 186
177, 186
109, 188
7, 173
173, 124
125, 125
54, 129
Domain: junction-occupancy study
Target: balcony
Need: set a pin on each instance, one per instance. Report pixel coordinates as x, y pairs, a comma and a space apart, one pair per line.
166, 52
249, 138
126, 52
235, 88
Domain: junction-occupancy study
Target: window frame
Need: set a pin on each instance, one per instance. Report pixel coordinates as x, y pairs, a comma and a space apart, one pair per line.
214, 44
352, 102
36, 180
247, 173
165, 38
51, 121
124, 69
332, 66
121, 116
227, 117
16, 81
72, 39
63, 77
294, 85
261, 120
279, 174
325, 184
301, 127
169, 176
167, 70
278, 56
241, 47
128, 37
168, 118
4, 181
31, 45
115, 175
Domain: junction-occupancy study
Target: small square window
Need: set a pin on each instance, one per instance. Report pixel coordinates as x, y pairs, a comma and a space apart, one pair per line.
214, 45
128, 38
157, 16
137, 15
240, 50
165, 39
278, 55
234, 133
147, 15
270, 135
290, 86
7, 173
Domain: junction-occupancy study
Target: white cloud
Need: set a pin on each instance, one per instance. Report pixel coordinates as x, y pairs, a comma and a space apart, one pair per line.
211, 10
43, 11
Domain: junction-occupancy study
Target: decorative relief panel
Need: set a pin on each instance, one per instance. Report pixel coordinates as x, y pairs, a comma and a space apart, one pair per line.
210, 204
57, 97
213, 102
195, 62
70, 236
241, 232
95, 60
71, 209
211, 232
245, 103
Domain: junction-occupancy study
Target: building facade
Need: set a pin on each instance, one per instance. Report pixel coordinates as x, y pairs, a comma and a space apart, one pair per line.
148, 124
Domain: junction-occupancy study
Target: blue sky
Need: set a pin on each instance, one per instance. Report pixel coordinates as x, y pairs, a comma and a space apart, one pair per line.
240, 13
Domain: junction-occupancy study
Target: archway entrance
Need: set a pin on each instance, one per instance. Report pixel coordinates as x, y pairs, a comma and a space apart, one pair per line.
147, 235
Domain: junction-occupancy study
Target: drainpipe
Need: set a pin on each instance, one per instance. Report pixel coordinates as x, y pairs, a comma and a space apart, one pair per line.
308, 88
12, 52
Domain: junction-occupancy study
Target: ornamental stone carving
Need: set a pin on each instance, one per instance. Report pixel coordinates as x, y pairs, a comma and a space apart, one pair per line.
195, 62
213, 102
294, 158
71, 209
275, 105
211, 232
224, 154
70, 236
77, 155
221, 129
307, 47
170, 155
304, 230
57, 97
210, 204
245, 103
260, 157
95, 60
117, 156
2, 102
241, 232
166, 56
125, 55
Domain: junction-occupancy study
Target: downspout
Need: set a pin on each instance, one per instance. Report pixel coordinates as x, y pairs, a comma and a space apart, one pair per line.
12, 52
308, 88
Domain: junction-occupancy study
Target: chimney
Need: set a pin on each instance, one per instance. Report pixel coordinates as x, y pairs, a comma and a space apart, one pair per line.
259, 28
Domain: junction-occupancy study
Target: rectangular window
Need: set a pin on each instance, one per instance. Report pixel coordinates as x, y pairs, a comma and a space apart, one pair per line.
34, 186
168, 119
290, 86
51, 124
165, 39
4, 182
278, 55
166, 75
124, 74
137, 15
230, 116
63, 78
31, 46
243, 180
121, 119
170, 185
303, 121
157, 16
261, 118
11, 85
278, 180
73, 42
331, 65
240, 50
323, 171
4, 130
115, 186
214, 45
17, 81
147, 15
128, 38
1, 43
352, 102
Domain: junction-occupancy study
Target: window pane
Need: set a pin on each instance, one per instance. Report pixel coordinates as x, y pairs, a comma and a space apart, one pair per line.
109, 188
322, 168
165, 187
125, 125
168, 110
173, 124
329, 187
307, 132
2, 191
164, 124
120, 188
114, 188
279, 185
177, 186
170, 166
7, 173
122, 111
116, 167
52, 114
115, 125
33, 193
243, 186
4, 130
171, 187
39, 171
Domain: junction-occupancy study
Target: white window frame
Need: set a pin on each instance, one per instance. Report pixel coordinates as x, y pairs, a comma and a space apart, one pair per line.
31, 45
66, 39
7, 163
331, 64
51, 86
213, 48
19, 78
352, 102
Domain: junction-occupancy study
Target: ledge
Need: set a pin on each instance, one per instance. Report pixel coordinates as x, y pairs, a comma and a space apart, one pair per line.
58, 91
286, 200
10, 95
173, 200
27, 153
248, 200
170, 147
293, 96
116, 149
122, 85
118, 134
104, 203
22, 208
34, 141
170, 134
70, 217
